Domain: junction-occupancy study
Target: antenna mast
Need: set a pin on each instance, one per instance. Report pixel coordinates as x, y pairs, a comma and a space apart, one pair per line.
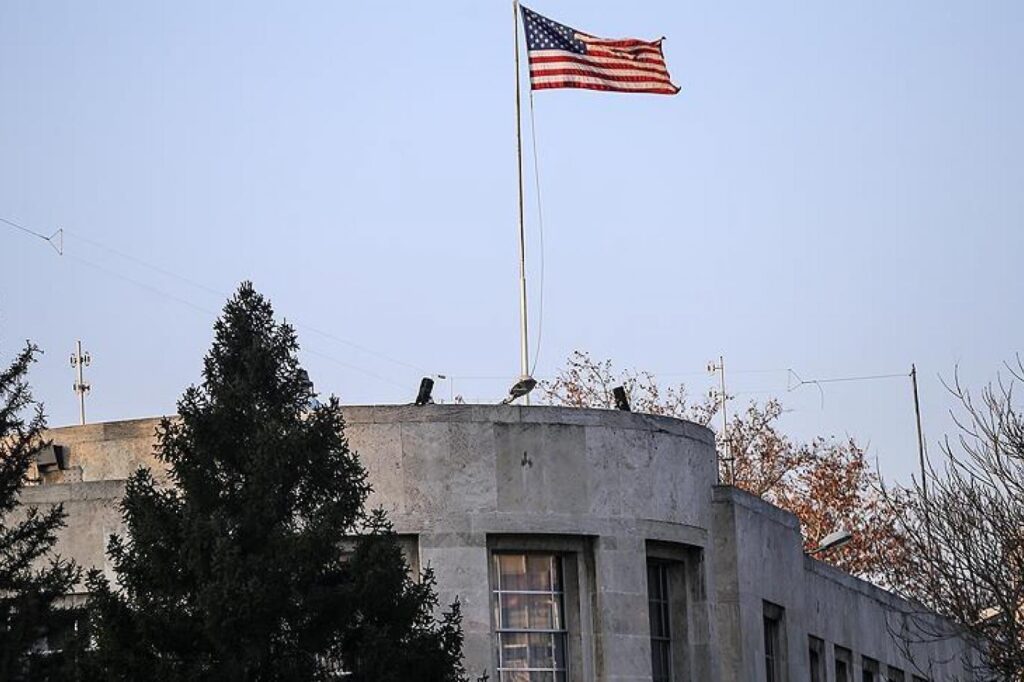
80, 361
719, 368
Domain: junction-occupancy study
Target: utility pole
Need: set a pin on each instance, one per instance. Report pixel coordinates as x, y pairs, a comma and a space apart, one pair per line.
80, 361
920, 434
719, 367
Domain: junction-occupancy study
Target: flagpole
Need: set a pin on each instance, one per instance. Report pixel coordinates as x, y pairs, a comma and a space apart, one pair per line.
524, 354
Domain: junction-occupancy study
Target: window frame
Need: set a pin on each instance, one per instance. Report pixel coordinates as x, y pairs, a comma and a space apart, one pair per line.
558, 633
894, 674
869, 669
773, 625
408, 543
577, 568
843, 656
816, 648
663, 602
689, 611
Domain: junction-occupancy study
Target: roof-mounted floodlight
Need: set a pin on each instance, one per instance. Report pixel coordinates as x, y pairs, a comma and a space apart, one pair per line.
519, 389
621, 399
426, 387
833, 541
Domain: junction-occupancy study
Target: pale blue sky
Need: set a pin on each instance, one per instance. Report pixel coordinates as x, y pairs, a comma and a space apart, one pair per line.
837, 190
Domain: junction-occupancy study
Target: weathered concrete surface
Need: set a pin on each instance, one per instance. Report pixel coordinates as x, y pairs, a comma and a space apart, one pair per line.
454, 475
600, 485
759, 557
92, 516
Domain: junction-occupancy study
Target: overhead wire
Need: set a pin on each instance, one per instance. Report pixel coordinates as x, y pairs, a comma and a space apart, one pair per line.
146, 264
212, 313
58, 246
792, 374
138, 283
216, 292
222, 294
835, 380
199, 308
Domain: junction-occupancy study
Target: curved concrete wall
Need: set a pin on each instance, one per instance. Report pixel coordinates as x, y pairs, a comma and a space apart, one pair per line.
460, 476
540, 468
463, 477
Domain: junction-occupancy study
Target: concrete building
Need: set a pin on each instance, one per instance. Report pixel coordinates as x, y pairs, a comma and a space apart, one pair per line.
583, 544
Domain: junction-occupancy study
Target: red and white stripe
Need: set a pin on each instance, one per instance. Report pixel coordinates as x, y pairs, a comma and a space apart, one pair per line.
613, 65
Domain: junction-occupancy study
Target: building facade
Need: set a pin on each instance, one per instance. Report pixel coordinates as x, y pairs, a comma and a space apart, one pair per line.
583, 545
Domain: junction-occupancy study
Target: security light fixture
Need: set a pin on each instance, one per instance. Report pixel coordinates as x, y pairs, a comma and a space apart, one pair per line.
302, 376
833, 541
621, 399
519, 389
51, 458
426, 387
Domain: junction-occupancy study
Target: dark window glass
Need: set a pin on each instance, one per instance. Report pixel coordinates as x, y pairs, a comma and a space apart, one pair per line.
869, 669
815, 650
771, 649
661, 628
772, 617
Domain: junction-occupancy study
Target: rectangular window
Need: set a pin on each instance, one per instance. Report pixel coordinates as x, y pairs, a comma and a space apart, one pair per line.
661, 627
895, 675
529, 609
816, 653
844, 668
774, 649
408, 543
869, 669
676, 598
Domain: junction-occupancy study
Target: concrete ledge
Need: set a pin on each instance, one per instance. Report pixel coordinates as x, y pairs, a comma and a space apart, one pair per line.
754, 504
852, 582
104, 431
521, 414
72, 492
387, 414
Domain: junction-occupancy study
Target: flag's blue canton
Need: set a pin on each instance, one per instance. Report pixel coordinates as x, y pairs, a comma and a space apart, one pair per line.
544, 34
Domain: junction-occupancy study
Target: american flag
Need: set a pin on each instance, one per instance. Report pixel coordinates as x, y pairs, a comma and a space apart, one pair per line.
562, 57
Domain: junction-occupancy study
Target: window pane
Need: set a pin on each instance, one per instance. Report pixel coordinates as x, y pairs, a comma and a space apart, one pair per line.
519, 611
531, 676
656, 581
528, 606
542, 572
661, 661
511, 571
531, 652
658, 616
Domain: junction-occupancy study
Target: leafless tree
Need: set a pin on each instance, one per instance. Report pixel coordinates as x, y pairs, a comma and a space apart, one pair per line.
586, 382
964, 531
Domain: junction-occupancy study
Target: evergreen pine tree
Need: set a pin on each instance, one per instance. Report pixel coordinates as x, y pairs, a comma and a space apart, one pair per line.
32, 580
237, 571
